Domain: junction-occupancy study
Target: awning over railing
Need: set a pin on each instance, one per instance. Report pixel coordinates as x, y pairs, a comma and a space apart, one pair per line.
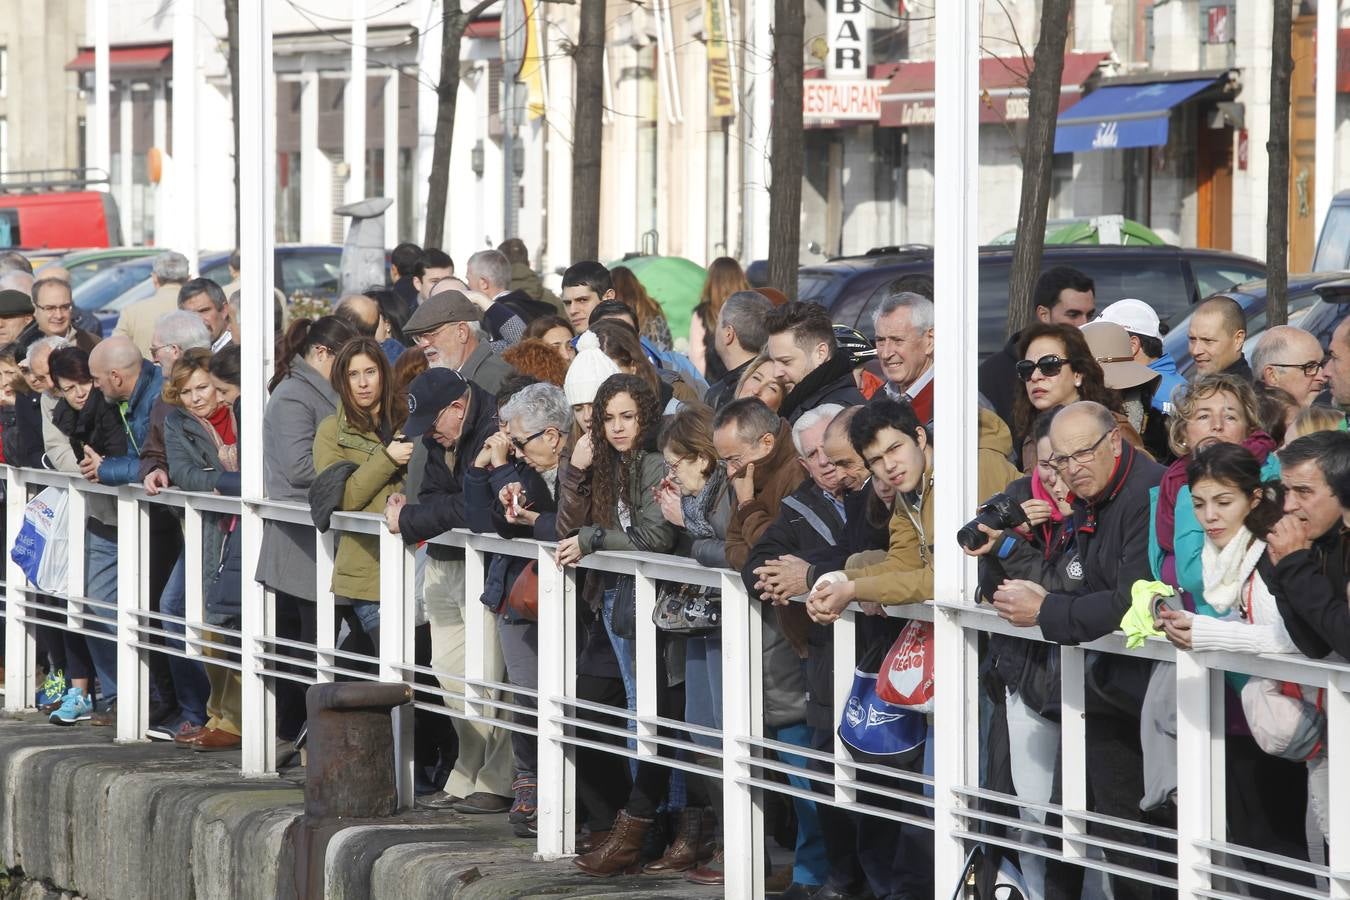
1115, 117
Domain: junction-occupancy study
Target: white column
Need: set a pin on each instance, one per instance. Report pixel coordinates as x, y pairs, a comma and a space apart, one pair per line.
429, 68
354, 113
124, 148
560, 26
315, 193
391, 215
183, 234
257, 205
955, 246
160, 116
758, 68
1324, 171
99, 126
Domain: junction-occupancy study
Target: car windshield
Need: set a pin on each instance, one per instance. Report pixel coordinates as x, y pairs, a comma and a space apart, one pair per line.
108, 285
1333, 246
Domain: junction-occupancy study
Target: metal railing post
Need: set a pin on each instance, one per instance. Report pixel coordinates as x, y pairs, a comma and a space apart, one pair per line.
742, 811
20, 665
845, 656
1073, 747
556, 800
647, 666
1195, 794
258, 728
481, 654
325, 616
396, 608
132, 670
1337, 704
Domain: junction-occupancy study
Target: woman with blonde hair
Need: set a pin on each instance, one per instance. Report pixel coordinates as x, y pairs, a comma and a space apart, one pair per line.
725, 277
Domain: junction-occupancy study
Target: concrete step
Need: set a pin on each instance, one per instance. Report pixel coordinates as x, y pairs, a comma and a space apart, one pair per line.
83, 817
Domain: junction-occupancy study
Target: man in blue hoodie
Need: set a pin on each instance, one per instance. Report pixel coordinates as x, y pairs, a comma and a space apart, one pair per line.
1139, 319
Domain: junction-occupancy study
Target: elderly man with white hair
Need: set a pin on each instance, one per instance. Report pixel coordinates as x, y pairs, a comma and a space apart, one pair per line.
1290, 359
137, 322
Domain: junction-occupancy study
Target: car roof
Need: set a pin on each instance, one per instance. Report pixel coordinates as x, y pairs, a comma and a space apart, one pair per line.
892, 256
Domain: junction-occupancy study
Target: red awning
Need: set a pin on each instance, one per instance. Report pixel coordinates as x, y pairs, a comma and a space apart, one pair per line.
1343, 61
128, 58
908, 98
486, 29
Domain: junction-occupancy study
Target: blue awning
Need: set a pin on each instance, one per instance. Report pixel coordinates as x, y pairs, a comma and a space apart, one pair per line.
1120, 116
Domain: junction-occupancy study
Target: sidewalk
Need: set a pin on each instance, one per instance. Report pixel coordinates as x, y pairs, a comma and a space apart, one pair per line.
86, 817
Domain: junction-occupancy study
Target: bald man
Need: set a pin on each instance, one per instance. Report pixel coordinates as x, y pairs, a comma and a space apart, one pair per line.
1111, 482
1290, 359
1217, 331
125, 377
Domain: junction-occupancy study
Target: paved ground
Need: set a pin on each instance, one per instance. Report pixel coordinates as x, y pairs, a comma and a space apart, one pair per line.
82, 816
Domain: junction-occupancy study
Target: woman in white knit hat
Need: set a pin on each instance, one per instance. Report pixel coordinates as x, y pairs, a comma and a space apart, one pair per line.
584, 377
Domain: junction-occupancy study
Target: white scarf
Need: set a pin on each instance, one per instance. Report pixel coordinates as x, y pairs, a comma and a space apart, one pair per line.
1226, 570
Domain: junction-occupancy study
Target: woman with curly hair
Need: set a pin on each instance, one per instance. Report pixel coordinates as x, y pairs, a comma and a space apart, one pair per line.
623, 469
652, 323
537, 359
725, 277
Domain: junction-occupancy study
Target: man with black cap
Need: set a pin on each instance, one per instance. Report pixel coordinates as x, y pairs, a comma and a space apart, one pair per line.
448, 329
16, 312
453, 416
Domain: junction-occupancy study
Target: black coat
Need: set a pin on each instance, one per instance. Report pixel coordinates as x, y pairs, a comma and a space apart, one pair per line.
1112, 536
1310, 590
97, 426
440, 503
723, 390
22, 431
998, 379
830, 382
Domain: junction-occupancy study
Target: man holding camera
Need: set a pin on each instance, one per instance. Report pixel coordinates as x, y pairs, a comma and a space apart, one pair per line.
1110, 481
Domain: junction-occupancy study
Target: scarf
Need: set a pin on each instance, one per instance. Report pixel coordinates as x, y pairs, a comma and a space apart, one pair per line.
1227, 569
698, 508
221, 427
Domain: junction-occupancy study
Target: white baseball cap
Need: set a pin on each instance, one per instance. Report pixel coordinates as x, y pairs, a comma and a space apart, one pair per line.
1135, 316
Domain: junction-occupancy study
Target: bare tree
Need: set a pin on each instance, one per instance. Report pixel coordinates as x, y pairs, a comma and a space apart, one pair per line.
1038, 156
589, 58
1277, 151
453, 22
232, 46
785, 193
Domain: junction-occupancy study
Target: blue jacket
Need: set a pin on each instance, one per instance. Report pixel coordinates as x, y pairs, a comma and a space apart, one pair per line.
677, 362
135, 414
1165, 366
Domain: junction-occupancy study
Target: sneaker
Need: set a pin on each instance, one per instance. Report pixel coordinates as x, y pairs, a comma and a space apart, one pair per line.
52, 692
166, 732
106, 717
524, 807
75, 707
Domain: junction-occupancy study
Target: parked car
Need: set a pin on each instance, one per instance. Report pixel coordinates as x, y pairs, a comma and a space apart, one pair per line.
1171, 279
309, 270
59, 219
85, 264
98, 293
1333, 244
1317, 302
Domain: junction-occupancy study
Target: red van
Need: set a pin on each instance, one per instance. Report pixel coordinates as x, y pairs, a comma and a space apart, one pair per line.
44, 208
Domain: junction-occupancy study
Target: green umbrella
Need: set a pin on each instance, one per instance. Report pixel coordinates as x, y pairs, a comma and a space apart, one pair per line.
673, 282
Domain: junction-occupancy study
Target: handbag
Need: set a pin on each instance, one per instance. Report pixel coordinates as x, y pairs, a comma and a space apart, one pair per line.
872, 729
622, 613
522, 601
687, 609
906, 675
1282, 722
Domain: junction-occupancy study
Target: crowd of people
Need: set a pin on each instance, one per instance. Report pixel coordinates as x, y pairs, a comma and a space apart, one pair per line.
1118, 496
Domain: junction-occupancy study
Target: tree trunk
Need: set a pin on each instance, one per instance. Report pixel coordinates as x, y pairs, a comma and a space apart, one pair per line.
1038, 158
785, 191
1277, 151
586, 131
232, 41
447, 93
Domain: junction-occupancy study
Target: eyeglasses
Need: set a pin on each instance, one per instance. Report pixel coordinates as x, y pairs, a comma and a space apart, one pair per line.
1080, 457
1050, 366
1308, 368
519, 443
59, 308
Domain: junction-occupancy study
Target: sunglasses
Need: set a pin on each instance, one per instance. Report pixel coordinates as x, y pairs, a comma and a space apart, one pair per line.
520, 443
1050, 366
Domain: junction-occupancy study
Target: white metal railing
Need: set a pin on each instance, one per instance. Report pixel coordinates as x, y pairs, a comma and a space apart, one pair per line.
1202, 858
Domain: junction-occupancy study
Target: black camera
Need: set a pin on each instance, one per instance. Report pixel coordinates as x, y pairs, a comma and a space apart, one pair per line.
1000, 512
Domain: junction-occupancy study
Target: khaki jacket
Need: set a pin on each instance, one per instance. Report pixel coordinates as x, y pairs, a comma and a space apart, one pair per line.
138, 320
906, 574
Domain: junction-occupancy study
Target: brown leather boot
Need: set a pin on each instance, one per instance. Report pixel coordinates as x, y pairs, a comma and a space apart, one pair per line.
590, 841
619, 854
688, 849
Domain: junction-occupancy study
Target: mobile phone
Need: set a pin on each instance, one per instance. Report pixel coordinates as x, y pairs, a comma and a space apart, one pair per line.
1165, 601
78, 446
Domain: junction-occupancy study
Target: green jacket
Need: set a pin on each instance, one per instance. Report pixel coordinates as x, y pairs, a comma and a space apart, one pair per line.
356, 566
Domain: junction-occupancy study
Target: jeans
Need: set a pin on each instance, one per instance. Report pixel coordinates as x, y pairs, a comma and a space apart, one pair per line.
703, 686
1033, 748
520, 647
368, 613
625, 651
190, 683
100, 583
897, 857
809, 865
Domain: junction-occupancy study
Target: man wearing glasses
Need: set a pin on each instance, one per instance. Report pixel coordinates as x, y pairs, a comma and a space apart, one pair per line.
1290, 359
1110, 481
54, 316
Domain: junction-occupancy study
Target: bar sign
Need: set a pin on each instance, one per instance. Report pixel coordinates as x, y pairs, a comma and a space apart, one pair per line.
846, 26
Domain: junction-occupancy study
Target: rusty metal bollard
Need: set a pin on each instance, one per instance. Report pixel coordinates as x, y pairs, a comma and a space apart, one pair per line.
350, 770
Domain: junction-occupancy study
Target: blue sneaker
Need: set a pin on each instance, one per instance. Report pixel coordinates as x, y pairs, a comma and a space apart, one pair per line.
76, 707
52, 692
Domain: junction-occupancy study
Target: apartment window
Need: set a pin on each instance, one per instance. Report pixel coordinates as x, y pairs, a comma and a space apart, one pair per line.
4, 71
